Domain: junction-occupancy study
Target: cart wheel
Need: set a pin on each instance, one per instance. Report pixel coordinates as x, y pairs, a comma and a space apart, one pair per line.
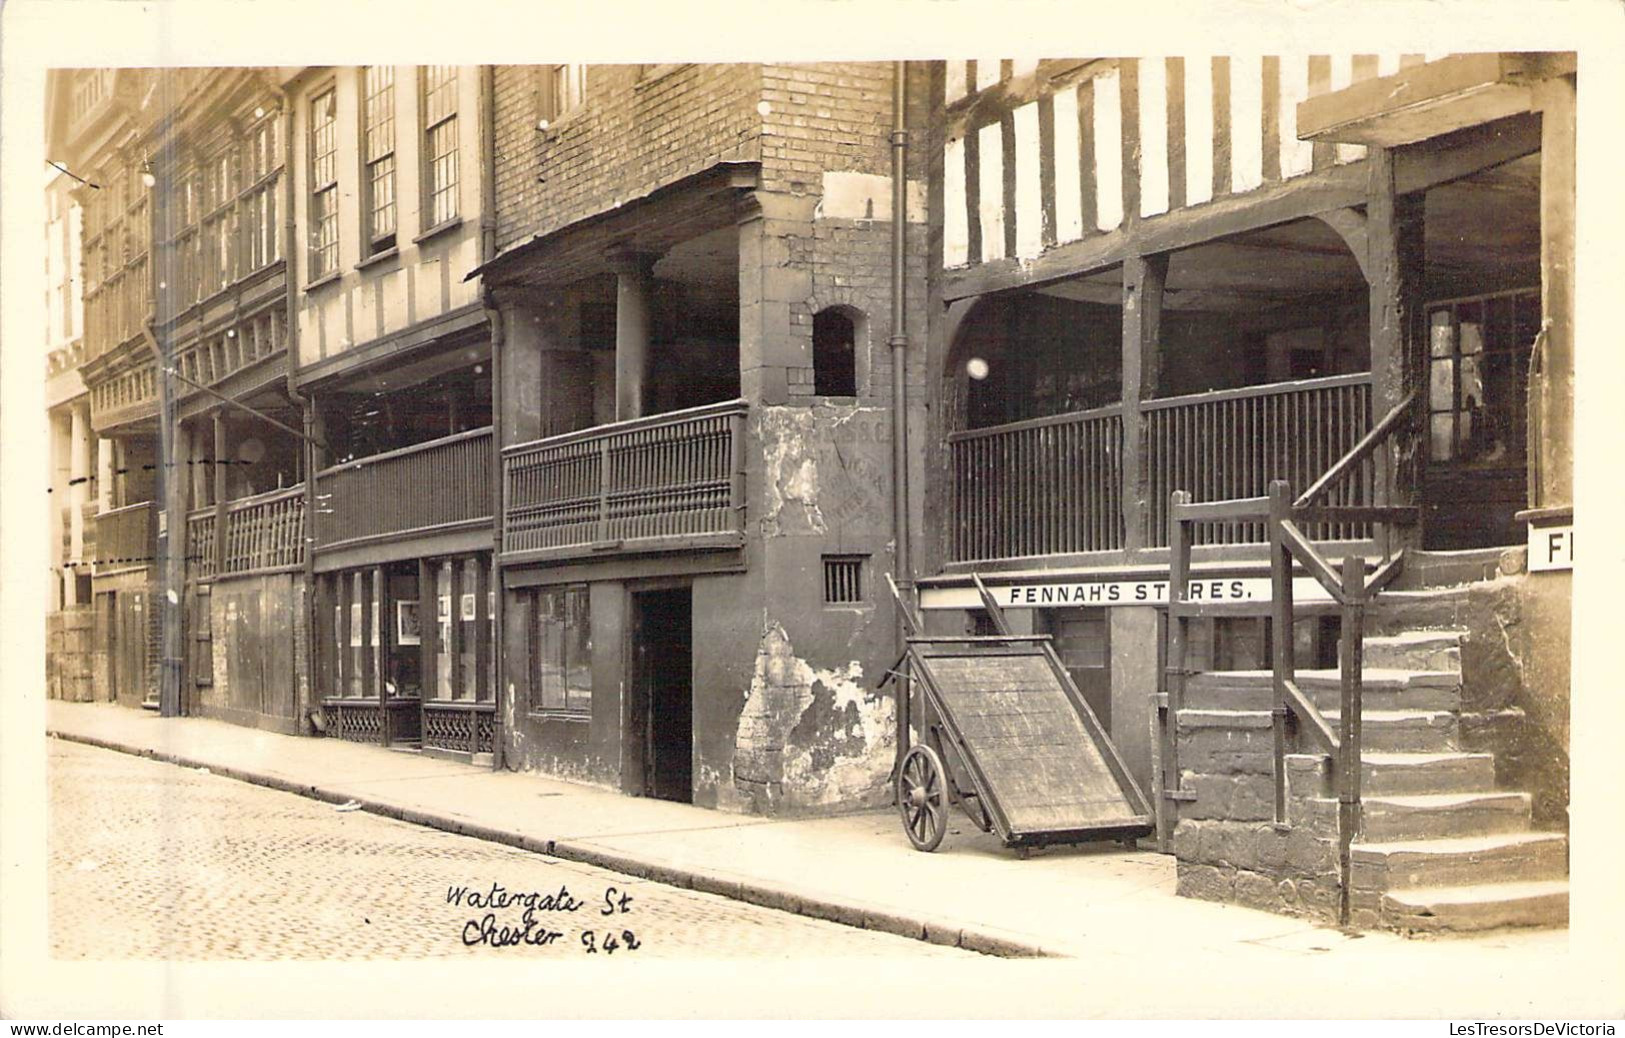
922, 797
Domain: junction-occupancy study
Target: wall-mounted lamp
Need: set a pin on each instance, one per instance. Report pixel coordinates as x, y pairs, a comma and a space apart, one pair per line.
147, 176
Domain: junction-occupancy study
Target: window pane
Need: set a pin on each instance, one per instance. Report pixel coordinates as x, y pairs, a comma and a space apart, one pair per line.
578, 650
1442, 387
439, 93
550, 648
1472, 337
1441, 337
442, 655
443, 172
380, 112
381, 178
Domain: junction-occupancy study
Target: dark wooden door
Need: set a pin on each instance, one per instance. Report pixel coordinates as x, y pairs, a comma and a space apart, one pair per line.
663, 662
1478, 366
130, 646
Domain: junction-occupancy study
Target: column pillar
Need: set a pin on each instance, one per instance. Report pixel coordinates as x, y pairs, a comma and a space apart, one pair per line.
218, 471
1143, 281
104, 475
1551, 429
1398, 345
520, 416
634, 283
78, 492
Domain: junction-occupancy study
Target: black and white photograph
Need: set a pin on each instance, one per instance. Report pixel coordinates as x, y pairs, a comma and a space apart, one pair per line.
1082, 530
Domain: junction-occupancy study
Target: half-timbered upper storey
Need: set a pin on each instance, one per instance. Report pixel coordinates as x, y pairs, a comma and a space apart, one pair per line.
1158, 278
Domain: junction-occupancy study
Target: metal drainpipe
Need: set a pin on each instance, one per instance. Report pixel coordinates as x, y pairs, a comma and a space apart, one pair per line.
488, 250
899, 367
290, 324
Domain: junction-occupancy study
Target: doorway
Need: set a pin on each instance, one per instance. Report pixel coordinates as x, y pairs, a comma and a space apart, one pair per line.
659, 730
1083, 642
1478, 362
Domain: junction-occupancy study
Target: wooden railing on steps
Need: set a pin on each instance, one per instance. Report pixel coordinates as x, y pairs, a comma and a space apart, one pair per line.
1285, 518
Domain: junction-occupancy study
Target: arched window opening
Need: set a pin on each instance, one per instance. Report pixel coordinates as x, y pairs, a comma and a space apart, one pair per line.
835, 371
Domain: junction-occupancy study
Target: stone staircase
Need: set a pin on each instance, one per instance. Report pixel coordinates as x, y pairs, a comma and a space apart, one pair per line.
1440, 847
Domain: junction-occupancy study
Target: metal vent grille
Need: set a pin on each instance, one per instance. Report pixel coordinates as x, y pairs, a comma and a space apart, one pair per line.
843, 579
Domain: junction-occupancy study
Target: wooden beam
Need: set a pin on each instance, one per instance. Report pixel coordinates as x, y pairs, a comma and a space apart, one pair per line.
383, 651
1398, 345
1464, 152
1340, 187
1551, 433
1278, 202
1143, 280
454, 643
346, 669
1426, 101
1311, 717
429, 628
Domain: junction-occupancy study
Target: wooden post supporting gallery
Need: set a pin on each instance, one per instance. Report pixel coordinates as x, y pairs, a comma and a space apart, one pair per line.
1143, 281
1551, 447
1398, 348
634, 279
429, 626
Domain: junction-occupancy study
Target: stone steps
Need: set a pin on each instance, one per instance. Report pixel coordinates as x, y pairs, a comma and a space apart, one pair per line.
1415, 650
1479, 906
1459, 861
1423, 816
1396, 773
1405, 731
1381, 688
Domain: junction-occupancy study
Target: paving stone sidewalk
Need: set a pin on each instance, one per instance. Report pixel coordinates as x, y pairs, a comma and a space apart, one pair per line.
1092, 901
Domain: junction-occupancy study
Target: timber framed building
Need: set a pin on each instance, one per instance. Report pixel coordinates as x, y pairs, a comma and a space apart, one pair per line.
1205, 274
542, 416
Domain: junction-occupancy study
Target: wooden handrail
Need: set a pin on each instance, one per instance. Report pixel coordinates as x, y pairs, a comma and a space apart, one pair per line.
1310, 715
123, 509
1067, 418
1359, 452
726, 407
401, 452
1359, 378
1349, 587
269, 497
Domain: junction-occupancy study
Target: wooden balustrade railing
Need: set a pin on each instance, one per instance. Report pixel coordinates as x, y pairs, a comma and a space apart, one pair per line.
428, 486
665, 482
200, 554
126, 537
1285, 521
264, 532
1048, 486
1231, 444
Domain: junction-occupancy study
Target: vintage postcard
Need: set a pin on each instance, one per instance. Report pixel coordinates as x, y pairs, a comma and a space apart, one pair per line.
924, 510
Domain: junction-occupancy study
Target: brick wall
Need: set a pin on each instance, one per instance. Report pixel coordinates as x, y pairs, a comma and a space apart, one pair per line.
631, 136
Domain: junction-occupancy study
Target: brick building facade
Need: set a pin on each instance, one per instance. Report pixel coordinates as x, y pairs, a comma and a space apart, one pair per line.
703, 253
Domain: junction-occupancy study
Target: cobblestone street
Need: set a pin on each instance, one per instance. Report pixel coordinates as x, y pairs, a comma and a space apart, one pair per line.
149, 860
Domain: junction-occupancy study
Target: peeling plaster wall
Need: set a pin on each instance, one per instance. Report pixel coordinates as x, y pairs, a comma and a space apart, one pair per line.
804, 730
810, 738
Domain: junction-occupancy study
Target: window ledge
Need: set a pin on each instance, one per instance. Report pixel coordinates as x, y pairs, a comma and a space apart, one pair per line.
658, 73
325, 279
379, 257
438, 229
552, 715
